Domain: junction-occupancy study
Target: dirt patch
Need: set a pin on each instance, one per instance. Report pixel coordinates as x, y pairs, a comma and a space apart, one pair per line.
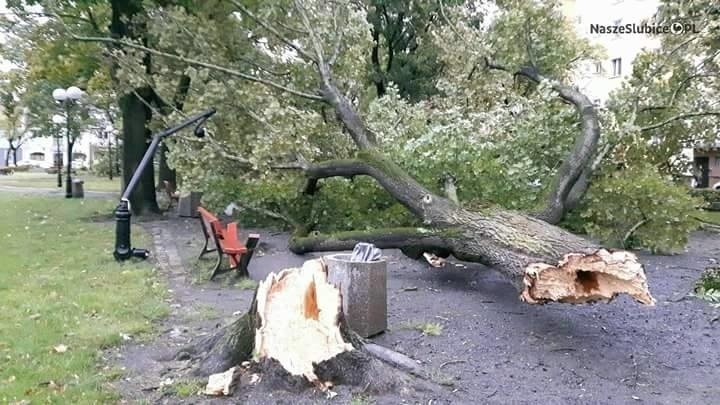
492, 348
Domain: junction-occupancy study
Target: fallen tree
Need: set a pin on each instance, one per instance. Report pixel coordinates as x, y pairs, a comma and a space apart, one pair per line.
543, 261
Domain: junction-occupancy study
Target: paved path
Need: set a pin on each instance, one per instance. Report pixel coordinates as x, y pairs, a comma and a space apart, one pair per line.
57, 192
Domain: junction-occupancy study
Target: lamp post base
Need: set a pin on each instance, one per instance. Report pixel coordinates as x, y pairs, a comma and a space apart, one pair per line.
123, 251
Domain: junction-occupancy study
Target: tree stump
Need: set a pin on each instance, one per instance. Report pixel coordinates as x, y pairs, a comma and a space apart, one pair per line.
295, 337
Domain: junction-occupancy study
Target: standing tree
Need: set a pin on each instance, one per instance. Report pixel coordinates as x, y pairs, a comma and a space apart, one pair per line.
12, 118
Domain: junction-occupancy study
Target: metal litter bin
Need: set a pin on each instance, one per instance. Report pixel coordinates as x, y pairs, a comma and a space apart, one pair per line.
78, 189
363, 286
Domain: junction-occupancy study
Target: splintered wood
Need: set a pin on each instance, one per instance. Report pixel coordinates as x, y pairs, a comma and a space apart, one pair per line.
580, 278
223, 383
299, 312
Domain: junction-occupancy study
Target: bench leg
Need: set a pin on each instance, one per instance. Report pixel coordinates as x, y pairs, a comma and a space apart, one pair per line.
250, 244
216, 269
205, 249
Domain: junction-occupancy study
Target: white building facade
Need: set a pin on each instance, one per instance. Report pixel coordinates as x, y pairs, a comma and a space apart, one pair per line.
590, 18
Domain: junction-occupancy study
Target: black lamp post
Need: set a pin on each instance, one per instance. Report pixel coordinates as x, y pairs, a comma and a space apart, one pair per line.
123, 249
57, 120
66, 98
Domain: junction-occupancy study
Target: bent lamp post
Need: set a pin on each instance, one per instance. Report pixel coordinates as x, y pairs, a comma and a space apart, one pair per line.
123, 249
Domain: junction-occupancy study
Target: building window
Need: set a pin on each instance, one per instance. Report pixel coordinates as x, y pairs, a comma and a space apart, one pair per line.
717, 161
617, 66
598, 67
37, 156
578, 20
596, 102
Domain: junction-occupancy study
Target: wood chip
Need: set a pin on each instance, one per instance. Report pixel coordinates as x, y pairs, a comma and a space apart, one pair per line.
222, 383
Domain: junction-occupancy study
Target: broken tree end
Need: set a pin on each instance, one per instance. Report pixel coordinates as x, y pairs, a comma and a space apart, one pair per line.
299, 314
582, 278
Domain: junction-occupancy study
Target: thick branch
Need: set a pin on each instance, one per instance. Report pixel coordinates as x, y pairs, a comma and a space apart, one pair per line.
577, 162
392, 238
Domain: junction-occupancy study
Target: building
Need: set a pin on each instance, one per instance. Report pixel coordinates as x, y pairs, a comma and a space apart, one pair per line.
41, 151
595, 20
598, 79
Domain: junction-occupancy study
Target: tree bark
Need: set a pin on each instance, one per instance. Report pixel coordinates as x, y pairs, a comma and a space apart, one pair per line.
135, 116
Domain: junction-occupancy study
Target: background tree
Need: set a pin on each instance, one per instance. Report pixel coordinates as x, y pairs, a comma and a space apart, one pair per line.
13, 120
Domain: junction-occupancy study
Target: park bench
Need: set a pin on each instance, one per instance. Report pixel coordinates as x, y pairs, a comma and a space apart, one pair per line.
225, 238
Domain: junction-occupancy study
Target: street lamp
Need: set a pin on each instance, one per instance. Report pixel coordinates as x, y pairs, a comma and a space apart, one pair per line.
123, 249
57, 120
66, 97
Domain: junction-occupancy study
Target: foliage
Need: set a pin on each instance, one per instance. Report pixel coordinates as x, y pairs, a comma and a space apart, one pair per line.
641, 208
711, 197
340, 204
427, 328
103, 164
708, 286
61, 286
443, 112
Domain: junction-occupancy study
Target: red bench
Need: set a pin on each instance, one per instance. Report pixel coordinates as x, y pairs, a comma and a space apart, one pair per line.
225, 238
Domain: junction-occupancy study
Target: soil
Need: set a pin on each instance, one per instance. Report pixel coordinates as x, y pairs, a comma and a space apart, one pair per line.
492, 349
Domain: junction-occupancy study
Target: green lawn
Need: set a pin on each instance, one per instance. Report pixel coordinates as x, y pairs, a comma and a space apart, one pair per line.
712, 217
44, 180
63, 299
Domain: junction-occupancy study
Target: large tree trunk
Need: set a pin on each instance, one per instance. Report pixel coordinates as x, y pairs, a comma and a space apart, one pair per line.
544, 262
135, 116
296, 336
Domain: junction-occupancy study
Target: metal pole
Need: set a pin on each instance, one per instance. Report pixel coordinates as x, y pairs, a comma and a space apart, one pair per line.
110, 158
58, 158
68, 177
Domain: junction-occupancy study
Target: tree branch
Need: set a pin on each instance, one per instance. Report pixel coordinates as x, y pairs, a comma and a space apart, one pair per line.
273, 31
194, 62
577, 162
680, 117
388, 238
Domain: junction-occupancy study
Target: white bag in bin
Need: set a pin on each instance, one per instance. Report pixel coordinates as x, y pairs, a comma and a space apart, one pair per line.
365, 252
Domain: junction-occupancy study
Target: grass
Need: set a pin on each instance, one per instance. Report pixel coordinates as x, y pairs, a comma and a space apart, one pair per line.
712, 217
246, 283
60, 286
200, 312
427, 328
44, 180
184, 389
361, 400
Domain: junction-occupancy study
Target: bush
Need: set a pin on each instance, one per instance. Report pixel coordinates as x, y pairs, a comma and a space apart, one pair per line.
708, 286
22, 168
639, 202
101, 166
709, 196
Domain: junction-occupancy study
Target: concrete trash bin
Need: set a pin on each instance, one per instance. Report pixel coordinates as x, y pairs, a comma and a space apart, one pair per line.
363, 286
77, 188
